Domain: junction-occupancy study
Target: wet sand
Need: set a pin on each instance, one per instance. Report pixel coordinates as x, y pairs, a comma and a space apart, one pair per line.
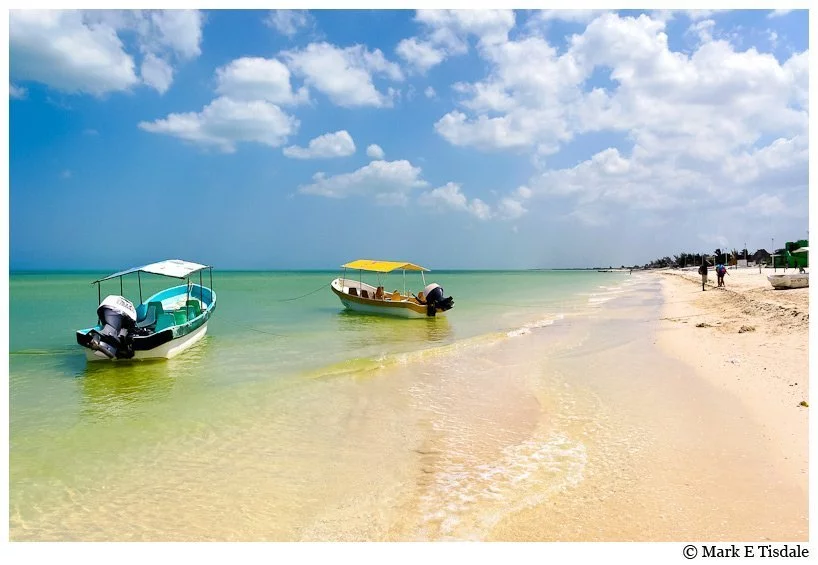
704, 436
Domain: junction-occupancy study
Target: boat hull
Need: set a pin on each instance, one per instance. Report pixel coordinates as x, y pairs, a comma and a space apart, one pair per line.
405, 308
165, 351
780, 282
170, 340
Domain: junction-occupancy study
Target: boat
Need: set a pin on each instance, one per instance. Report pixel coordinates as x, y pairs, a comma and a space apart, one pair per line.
359, 296
780, 282
160, 327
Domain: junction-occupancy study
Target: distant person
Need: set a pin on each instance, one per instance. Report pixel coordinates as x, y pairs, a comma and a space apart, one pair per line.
703, 273
631, 271
721, 270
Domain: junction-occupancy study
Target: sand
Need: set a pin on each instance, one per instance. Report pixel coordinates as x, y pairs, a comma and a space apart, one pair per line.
752, 341
699, 433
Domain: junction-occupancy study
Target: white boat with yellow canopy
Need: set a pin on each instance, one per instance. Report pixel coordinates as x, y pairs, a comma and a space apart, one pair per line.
359, 296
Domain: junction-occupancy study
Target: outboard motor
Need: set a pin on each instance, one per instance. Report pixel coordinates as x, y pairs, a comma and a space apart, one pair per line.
433, 294
118, 317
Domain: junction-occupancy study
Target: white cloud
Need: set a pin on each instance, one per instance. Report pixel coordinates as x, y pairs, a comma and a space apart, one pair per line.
766, 205
256, 78
420, 54
451, 28
575, 16
288, 22
80, 51
778, 13
338, 144
450, 197
375, 151
430, 92
389, 182
17, 92
156, 73
59, 49
225, 122
510, 208
178, 30
446, 33
692, 15
344, 74
696, 126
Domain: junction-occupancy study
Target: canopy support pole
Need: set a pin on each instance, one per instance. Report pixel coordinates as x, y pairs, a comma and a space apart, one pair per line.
139, 276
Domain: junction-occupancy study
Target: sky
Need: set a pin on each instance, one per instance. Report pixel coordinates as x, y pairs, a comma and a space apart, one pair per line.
468, 139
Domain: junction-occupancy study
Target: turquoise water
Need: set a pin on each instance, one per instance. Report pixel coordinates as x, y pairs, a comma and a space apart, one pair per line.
276, 385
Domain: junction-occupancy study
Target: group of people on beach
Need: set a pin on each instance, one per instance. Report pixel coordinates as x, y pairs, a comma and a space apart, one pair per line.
721, 270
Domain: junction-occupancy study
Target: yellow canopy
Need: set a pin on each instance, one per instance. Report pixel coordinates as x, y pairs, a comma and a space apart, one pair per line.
383, 266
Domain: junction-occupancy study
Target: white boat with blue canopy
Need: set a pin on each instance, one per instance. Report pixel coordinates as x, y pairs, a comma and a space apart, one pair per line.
161, 326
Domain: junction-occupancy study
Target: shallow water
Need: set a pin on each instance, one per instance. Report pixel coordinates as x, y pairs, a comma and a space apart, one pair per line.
296, 420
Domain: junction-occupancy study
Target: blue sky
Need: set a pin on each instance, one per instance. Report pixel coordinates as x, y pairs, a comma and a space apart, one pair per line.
454, 139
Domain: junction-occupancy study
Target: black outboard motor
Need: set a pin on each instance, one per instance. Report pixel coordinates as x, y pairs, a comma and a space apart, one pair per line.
118, 318
433, 294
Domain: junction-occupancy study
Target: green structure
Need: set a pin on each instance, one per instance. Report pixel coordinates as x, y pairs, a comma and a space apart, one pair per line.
785, 257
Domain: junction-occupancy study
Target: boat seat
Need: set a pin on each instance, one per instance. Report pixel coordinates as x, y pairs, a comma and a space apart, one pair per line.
421, 298
395, 296
379, 293
164, 321
353, 291
193, 308
180, 316
152, 314
364, 293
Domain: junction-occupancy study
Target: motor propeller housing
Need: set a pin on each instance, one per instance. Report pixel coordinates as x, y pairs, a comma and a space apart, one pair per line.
435, 300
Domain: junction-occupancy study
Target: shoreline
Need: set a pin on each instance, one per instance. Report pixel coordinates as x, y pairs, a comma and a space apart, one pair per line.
699, 442
595, 426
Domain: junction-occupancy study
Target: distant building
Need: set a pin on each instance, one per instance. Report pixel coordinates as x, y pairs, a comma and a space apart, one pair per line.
761, 256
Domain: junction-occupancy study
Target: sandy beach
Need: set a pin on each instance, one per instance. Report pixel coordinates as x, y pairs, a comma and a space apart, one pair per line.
704, 436
752, 341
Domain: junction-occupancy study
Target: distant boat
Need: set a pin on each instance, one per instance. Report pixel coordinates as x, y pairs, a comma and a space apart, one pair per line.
160, 327
779, 282
359, 296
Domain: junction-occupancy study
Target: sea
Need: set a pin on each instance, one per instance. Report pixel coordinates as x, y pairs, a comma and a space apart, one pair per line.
294, 419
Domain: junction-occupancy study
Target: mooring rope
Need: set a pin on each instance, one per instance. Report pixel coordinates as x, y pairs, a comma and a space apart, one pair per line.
304, 295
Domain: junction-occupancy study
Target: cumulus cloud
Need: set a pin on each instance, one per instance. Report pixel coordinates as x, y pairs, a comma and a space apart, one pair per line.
256, 78
697, 124
389, 182
446, 33
375, 151
344, 75
156, 73
224, 122
17, 92
289, 22
778, 13
78, 51
575, 16
338, 144
449, 197
422, 55
59, 49
430, 92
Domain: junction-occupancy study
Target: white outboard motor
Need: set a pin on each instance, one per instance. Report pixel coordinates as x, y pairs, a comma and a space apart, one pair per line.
433, 295
118, 317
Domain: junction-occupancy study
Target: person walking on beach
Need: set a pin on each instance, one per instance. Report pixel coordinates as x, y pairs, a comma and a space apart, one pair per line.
721, 270
703, 272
